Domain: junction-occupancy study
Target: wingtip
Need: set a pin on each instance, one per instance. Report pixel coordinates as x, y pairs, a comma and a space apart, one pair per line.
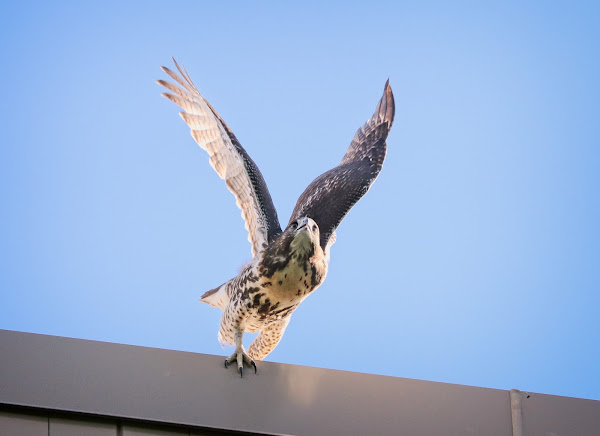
387, 87
389, 108
176, 64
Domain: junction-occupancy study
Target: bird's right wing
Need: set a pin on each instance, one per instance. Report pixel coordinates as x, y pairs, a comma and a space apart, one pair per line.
229, 159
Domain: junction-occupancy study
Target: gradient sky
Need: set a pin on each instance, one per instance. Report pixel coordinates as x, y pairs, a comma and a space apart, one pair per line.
474, 258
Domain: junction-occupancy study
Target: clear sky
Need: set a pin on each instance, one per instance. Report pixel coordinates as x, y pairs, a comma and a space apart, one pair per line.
474, 258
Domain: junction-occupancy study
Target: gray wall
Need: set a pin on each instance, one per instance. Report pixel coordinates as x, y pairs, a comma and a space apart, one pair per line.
132, 390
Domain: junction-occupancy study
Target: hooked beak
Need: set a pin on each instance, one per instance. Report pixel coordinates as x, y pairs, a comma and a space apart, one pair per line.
302, 224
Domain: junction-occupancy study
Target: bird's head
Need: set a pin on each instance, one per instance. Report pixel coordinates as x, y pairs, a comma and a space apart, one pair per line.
305, 234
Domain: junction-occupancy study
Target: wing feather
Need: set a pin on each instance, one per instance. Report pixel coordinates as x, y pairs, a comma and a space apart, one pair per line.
330, 196
228, 158
188, 86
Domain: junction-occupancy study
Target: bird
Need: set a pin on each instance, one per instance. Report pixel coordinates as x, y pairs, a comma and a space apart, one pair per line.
288, 264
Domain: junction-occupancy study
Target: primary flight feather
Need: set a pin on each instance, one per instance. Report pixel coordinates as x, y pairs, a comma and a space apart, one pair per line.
287, 265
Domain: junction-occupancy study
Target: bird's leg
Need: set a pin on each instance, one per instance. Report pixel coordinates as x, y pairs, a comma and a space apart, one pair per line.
240, 355
267, 339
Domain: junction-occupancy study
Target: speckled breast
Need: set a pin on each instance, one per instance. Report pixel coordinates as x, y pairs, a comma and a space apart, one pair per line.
279, 294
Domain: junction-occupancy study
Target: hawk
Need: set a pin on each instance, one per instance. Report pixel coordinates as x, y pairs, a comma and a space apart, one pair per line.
286, 266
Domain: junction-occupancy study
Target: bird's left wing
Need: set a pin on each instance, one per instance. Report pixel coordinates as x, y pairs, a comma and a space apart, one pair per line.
330, 196
229, 159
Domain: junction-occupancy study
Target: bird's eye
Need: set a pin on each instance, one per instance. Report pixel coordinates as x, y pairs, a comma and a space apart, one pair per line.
314, 227
294, 226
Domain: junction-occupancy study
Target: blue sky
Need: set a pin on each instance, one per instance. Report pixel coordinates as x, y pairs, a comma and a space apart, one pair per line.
474, 259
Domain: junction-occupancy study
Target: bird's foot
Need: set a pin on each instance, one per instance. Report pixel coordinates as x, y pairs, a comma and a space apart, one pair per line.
240, 357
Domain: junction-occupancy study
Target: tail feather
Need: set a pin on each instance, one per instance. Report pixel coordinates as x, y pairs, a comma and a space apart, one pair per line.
216, 297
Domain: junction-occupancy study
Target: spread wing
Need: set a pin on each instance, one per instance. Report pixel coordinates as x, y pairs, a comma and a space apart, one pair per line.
330, 196
228, 158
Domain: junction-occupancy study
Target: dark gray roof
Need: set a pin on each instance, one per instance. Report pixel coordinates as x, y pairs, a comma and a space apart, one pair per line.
53, 382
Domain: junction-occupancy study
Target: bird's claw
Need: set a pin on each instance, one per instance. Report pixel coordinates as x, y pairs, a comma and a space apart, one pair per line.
241, 358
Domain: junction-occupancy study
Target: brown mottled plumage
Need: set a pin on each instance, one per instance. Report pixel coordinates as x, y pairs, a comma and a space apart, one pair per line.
286, 266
